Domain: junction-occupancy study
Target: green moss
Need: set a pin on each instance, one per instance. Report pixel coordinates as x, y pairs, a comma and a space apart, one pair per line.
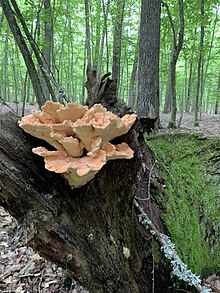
191, 200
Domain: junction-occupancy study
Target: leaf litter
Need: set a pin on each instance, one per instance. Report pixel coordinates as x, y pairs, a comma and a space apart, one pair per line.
24, 271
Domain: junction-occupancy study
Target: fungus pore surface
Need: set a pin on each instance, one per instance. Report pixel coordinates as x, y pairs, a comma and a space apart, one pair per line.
81, 138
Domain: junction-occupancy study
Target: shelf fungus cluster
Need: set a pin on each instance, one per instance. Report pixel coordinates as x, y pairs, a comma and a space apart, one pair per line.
81, 137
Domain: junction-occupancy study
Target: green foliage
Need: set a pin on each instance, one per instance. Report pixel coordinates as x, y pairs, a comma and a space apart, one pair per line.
191, 200
67, 19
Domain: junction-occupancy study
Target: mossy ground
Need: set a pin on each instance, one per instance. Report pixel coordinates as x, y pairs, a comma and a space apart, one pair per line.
191, 201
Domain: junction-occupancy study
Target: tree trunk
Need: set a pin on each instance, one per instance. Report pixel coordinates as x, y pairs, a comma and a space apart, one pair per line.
48, 38
188, 99
88, 46
5, 67
177, 46
217, 96
198, 87
92, 231
24, 51
105, 8
43, 66
132, 91
209, 56
148, 71
119, 18
97, 35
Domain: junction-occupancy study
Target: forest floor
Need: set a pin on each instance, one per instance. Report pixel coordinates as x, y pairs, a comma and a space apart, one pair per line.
209, 124
24, 271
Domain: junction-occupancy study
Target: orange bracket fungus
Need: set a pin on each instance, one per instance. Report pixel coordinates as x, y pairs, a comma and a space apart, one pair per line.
81, 137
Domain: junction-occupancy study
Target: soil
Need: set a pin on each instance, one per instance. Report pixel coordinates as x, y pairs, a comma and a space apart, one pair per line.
21, 269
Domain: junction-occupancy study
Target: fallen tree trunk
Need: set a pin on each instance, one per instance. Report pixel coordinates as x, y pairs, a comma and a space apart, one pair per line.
92, 231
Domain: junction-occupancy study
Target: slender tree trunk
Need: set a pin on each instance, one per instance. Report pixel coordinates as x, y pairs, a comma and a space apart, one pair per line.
132, 91
24, 51
84, 76
72, 82
173, 106
48, 38
185, 85
15, 74
148, 71
177, 46
217, 96
116, 60
88, 39
48, 32
43, 66
60, 58
198, 87
201, 86
161, 71
203, 83
167, 101
188, 99
1, 20
104, 32
97, 35
91, 73
5, 67
24, 94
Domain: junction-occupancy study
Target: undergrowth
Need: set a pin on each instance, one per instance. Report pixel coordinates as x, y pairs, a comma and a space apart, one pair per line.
191, 201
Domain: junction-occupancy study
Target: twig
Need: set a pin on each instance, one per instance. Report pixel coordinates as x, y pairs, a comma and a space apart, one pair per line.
4, 103
149, 181
153, 264
59, 89
182, 290
168, 248
40, 281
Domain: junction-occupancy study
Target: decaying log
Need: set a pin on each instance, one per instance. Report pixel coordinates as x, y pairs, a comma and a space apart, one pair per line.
93, 231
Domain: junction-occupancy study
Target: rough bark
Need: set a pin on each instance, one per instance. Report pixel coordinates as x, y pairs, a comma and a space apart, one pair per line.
86, 230
148, 71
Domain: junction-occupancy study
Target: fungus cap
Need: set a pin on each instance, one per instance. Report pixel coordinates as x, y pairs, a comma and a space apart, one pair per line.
81, 137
